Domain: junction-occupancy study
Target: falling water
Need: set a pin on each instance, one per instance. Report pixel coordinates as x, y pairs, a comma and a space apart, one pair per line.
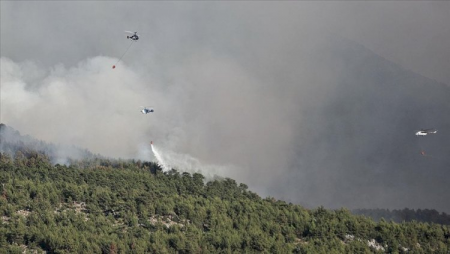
160, 160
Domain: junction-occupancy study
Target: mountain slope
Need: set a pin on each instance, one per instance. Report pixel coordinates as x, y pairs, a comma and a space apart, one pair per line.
355, 146
425, 215
11, 142
129, 206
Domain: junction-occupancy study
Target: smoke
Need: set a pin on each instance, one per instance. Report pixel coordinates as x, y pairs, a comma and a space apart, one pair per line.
183, 162
315, 103
12, 141
77, 105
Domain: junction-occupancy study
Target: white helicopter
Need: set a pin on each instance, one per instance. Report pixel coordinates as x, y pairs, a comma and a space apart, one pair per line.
147, 110
425, 132
133, 37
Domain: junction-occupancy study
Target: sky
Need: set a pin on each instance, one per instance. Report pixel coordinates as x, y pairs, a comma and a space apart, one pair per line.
283, 96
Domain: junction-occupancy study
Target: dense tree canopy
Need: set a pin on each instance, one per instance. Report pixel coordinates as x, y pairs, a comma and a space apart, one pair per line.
423, 215
99, 205
116, 206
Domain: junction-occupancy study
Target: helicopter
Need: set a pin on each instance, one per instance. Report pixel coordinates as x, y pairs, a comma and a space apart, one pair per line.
133, 37
425, 132
147, 110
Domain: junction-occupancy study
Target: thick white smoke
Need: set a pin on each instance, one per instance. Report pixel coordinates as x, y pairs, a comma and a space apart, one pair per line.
308, 116
88, 105
92, 106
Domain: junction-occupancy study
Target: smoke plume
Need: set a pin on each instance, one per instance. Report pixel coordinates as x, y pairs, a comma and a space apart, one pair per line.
314, 103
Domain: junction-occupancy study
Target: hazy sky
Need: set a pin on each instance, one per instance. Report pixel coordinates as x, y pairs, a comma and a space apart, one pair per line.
275, 92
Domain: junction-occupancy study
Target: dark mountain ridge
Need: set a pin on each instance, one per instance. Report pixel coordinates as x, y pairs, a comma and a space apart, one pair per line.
361, 135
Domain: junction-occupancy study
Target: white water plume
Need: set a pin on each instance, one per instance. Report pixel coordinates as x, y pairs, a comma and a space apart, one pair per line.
185, 163
160, 160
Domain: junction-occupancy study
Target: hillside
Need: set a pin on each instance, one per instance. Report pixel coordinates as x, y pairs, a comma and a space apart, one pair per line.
422, 215
114, 206
11, 142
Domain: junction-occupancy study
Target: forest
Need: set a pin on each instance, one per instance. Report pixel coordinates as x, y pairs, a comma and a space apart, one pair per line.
118, 206
101, 205
423, 215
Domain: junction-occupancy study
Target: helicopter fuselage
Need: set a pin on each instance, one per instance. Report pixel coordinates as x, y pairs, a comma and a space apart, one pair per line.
133, 37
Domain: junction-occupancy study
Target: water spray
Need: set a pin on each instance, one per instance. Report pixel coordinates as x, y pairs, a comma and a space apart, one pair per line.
167, 160
159, 159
